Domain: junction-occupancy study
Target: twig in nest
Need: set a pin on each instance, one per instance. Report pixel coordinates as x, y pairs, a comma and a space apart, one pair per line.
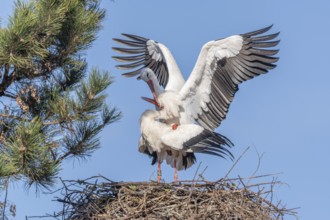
234, 165
100, 199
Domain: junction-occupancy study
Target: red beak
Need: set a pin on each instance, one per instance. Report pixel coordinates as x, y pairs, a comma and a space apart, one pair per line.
155, 100
152, 101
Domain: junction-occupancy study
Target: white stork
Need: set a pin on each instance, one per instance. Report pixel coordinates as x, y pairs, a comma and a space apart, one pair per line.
177, 146
221, 66
205, 97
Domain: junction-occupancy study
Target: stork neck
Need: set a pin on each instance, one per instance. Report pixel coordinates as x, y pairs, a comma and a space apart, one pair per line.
176, 80
156, 85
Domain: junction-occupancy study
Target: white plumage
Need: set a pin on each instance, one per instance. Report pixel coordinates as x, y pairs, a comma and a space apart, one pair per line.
221, 66
203, 99
177, 146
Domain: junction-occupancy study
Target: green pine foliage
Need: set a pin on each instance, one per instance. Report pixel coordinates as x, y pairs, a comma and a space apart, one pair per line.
51, 109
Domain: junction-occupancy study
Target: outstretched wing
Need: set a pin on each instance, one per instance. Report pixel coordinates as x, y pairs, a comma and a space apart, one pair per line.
143, 52
196, 139
222, 65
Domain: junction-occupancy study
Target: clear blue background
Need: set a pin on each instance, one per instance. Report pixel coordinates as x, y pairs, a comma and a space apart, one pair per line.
284, 115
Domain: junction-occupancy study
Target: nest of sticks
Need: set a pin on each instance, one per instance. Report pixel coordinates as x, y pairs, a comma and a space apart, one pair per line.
99, 198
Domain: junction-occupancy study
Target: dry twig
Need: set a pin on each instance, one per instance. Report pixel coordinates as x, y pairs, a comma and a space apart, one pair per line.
99, 198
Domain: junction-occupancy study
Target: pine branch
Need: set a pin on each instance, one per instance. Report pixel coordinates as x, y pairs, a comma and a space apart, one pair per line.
6, 195
55, 112
11, 116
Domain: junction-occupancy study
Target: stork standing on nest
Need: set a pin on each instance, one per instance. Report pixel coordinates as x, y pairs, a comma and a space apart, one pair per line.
177, 146
206, 96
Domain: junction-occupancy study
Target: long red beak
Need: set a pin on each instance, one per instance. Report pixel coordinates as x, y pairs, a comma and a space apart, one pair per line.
155, 100
152, 88
152, 101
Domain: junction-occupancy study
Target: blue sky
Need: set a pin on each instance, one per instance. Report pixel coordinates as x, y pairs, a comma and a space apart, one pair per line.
283, 115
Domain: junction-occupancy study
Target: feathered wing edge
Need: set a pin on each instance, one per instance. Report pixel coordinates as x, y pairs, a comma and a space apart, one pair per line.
139, 53
255, 57
209, 142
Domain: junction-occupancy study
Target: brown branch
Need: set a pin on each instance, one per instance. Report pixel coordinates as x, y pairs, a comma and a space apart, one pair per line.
227, 198
101, 198
8, 80
11, 116
58, 160
6, 195
51, 122
234, 165
6, 94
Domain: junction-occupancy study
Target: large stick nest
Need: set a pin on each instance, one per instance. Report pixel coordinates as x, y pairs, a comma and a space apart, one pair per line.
99, 198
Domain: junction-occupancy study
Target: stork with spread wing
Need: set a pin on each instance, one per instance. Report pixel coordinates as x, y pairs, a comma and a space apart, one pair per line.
208, 92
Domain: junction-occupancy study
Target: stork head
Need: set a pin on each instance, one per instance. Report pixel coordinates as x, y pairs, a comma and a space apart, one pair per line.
150, 78
147, 74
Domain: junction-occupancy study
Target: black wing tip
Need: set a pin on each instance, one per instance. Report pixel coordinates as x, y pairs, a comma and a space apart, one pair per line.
267, 28
274, 52
116, 49
128, 35
258, 32
126, 75
270, 26
218, 154
121, 67
135, 37
221, 142
277, 34
117, 40
122, 50
228, 142
131, 74
124, 67
276, 42
116, 57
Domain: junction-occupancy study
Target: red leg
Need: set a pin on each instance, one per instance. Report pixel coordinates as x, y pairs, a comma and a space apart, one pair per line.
175, 172
159, 172
174, 127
